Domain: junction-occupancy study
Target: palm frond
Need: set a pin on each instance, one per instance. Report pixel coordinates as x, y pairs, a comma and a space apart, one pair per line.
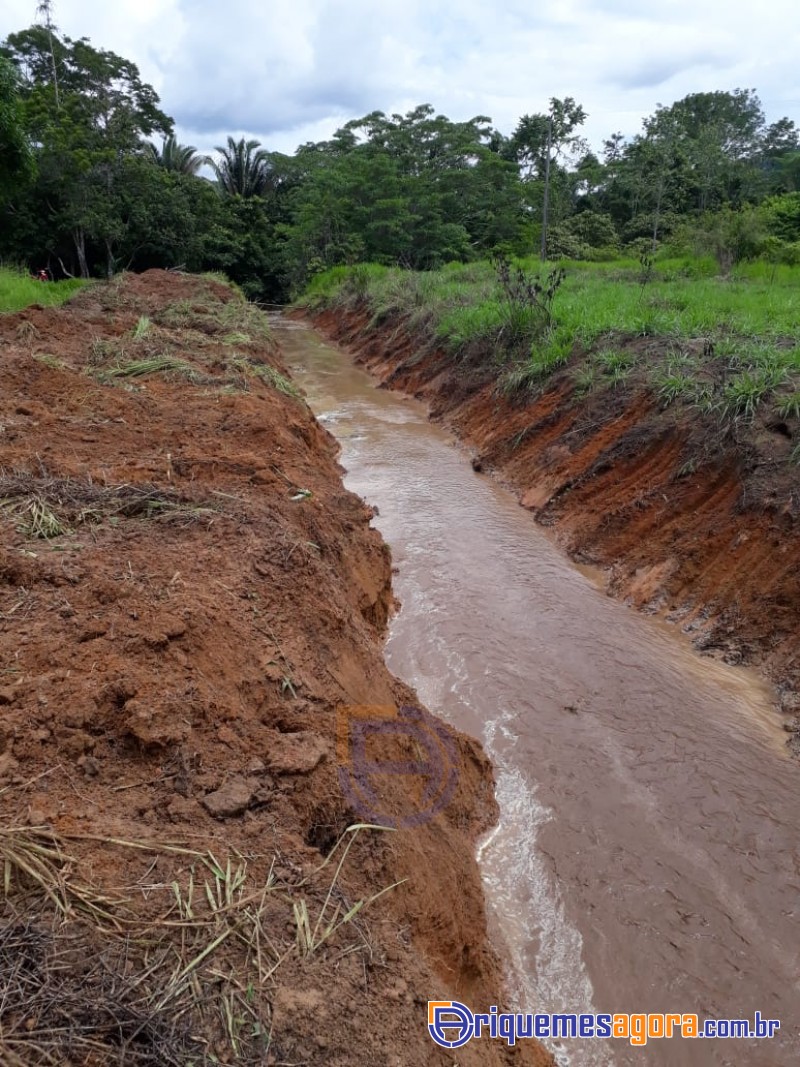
243, 168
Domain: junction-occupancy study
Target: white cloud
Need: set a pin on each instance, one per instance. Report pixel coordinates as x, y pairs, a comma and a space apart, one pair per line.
287, 71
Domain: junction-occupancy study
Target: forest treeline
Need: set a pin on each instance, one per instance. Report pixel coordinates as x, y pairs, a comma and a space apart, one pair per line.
93, 181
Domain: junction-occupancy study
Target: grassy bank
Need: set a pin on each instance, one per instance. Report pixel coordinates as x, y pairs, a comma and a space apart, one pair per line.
728, 346
18, 290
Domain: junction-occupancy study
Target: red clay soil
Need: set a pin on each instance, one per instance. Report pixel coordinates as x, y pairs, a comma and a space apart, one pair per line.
699, 527
187, 594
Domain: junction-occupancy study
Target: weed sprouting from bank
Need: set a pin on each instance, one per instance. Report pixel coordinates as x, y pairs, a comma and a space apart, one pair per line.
528, 301
789, 406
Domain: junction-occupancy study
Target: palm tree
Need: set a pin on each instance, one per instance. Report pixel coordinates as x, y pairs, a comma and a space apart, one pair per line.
244, 168
180, 158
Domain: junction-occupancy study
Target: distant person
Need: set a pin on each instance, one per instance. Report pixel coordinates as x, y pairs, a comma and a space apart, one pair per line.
43, 276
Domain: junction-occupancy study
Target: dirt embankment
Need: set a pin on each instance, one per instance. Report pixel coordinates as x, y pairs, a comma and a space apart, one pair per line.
187, 594
687, 522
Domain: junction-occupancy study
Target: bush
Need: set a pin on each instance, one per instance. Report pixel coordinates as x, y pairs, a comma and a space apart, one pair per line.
561, 244
781, 216
730, 236
776, 251
593, 229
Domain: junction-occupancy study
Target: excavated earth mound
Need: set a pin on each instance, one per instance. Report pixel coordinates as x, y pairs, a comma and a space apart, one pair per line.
187, 596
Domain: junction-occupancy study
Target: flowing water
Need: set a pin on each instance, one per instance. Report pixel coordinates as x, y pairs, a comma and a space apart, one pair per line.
647, 854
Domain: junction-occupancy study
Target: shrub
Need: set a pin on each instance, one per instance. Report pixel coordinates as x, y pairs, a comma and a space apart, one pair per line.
781, 216
730, 236
527, 300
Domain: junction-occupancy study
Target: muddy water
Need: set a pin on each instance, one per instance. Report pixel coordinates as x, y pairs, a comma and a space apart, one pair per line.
647, 854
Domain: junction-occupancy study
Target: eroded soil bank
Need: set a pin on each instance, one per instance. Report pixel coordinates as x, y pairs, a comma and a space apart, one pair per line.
686, 522
187, 594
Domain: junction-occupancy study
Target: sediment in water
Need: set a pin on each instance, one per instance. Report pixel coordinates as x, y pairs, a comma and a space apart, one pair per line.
687, 522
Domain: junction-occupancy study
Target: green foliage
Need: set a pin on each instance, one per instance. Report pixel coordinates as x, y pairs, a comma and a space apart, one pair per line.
781, 216
415, 189
242, 169
85, 190
614, 365
597, 310
527, 302
672, 385
16, 158
142, 328
730, 236
743, 394
586, 379
175, 157
593, 230
789, 406
87, 125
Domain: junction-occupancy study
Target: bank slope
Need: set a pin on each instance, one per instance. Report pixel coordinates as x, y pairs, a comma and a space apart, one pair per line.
689, 522
187, 595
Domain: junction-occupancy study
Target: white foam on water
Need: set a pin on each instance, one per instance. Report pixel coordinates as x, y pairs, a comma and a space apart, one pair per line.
524, 897
520, 887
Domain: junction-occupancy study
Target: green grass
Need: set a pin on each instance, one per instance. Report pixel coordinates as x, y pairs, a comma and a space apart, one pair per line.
18, 290
142, 328
746, 391
789, 406
726, 346
672, 385
596, 299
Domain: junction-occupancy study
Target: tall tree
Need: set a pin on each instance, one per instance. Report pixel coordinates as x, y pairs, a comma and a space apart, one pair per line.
722, 136
105, 112
44, 10
542, 145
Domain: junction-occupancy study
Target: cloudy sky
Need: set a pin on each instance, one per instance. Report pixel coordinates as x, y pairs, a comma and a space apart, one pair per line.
289, 71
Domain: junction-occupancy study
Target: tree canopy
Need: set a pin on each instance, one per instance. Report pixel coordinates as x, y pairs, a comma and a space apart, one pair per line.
93, 179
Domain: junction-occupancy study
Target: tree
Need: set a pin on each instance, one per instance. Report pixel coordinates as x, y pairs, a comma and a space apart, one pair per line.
781, 151
730, 236
721, 136
104, 113
541, 144
781, 216
243, 168
16, 161
414, 189
659, 152
44, 9
172, 156
527, 145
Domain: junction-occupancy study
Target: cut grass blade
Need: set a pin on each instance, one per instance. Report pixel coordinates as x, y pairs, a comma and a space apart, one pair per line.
39, 501
35, 518
139, 368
